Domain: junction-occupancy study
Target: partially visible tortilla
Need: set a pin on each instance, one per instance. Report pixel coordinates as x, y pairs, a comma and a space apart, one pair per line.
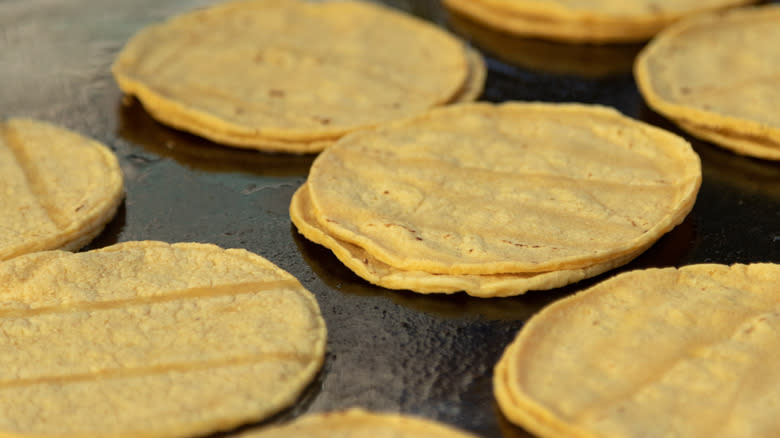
149, 339
357, 423
658, 352
59, 189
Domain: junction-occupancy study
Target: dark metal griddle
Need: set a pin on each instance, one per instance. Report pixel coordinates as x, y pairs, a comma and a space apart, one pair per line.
397, 351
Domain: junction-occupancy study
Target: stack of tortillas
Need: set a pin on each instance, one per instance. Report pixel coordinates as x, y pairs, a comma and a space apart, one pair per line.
357, 423
59, 189
148, 339
688, 352
718, 77
293, 76
595, 21
497, 199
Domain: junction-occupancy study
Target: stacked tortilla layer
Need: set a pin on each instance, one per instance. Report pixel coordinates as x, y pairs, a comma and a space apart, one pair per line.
495, 200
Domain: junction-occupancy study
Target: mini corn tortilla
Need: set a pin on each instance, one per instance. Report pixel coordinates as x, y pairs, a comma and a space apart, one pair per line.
482, 286
357, 423
489, 189
59, 188
595, 21
657, 352
717, 72
291, 70
149, 339
167, 112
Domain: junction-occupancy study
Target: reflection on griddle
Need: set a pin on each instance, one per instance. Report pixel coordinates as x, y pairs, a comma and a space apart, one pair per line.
137, 126
590, 61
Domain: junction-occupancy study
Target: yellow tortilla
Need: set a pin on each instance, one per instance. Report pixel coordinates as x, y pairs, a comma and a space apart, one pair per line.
740, 144
483, 286
718, 73
357, 423
658, 352
293, 71
592, 21
488, 189
149, 339
470, 91
59, 189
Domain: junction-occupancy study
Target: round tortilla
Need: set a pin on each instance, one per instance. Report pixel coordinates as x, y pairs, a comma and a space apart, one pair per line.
357, 423
592, 21
657, 352
511, 188
149, 339
289, 70
718, 73
59, 188
482, 286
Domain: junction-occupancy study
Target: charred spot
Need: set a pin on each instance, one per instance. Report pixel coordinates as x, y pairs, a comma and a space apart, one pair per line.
386, 192
418, 238
80, 207
749, 330
322, 120
596, 322
471, 250
521, 245
276, 93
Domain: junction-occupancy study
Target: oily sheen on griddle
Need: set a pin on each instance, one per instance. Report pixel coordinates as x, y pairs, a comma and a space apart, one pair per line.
510, 188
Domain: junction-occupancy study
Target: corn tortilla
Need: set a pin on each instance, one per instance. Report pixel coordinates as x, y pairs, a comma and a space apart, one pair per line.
657, 352
149, 339
59, 188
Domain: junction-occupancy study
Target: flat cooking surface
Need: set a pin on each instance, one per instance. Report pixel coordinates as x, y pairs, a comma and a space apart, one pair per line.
397, 351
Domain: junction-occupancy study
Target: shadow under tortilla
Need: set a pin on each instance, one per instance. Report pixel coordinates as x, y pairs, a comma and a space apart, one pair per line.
110, 234
138, 127
589, 61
